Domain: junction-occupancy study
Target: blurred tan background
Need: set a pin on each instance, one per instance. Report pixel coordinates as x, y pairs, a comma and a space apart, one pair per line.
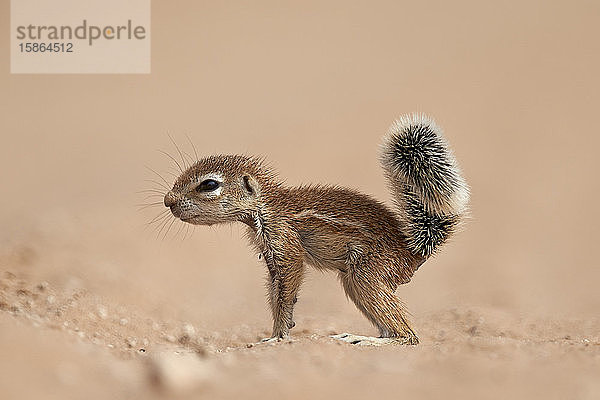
313, 86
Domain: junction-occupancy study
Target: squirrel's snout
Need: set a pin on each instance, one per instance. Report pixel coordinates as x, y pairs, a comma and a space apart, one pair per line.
170, 199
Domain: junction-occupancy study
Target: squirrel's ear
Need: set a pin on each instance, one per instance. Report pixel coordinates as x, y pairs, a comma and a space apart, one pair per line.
250, 185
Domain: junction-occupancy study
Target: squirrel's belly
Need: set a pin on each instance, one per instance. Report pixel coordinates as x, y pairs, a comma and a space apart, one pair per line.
327, 251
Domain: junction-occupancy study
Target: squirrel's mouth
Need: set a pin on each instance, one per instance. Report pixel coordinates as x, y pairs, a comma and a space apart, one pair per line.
198, 220
191, 219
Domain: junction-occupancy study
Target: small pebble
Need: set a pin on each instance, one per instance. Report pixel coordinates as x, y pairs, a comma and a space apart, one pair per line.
102, 313
189, 329
170, 338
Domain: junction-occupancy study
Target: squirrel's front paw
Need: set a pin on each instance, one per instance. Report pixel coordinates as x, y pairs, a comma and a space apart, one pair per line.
271, 340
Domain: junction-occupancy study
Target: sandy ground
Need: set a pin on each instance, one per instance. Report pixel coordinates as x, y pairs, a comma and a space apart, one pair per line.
121, 318
95, 303
65, 341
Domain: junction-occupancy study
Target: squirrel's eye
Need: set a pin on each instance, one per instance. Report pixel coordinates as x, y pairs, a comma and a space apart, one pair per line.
207, 185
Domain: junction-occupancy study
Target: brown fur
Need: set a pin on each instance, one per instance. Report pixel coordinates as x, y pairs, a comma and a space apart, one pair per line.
327, 227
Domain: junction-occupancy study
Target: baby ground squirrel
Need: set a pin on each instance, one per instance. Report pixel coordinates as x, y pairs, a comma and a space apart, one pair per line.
372, 248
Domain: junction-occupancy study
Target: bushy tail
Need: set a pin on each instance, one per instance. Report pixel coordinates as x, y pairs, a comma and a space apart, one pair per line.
425, 179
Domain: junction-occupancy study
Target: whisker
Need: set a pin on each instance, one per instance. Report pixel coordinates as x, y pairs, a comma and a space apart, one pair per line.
160, 185
193, 147
163, 225
187, 230
156, 194
155, 191
178, 150
162, 220
191, 159
179, 229
160, 176
160, 216
183, 228
153, 196
158, 221
173, 159
169, 228
154, 203
144, 206
175, 174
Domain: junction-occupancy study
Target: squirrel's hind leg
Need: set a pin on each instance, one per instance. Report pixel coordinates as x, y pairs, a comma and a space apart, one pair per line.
380, 305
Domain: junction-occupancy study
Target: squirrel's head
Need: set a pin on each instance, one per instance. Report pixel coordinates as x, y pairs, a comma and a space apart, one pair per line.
218, 189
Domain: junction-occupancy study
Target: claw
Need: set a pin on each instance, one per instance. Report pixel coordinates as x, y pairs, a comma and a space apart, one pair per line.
373, 341
272, 341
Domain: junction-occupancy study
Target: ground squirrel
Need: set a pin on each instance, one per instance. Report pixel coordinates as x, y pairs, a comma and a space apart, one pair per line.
372, 248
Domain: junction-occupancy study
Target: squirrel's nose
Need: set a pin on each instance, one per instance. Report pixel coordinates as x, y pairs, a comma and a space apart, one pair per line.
170, 199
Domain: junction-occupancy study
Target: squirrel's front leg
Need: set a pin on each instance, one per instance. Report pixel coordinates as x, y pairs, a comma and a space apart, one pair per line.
286, 271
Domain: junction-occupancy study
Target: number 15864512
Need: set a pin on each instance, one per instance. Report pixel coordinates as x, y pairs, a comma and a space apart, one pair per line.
46, 47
